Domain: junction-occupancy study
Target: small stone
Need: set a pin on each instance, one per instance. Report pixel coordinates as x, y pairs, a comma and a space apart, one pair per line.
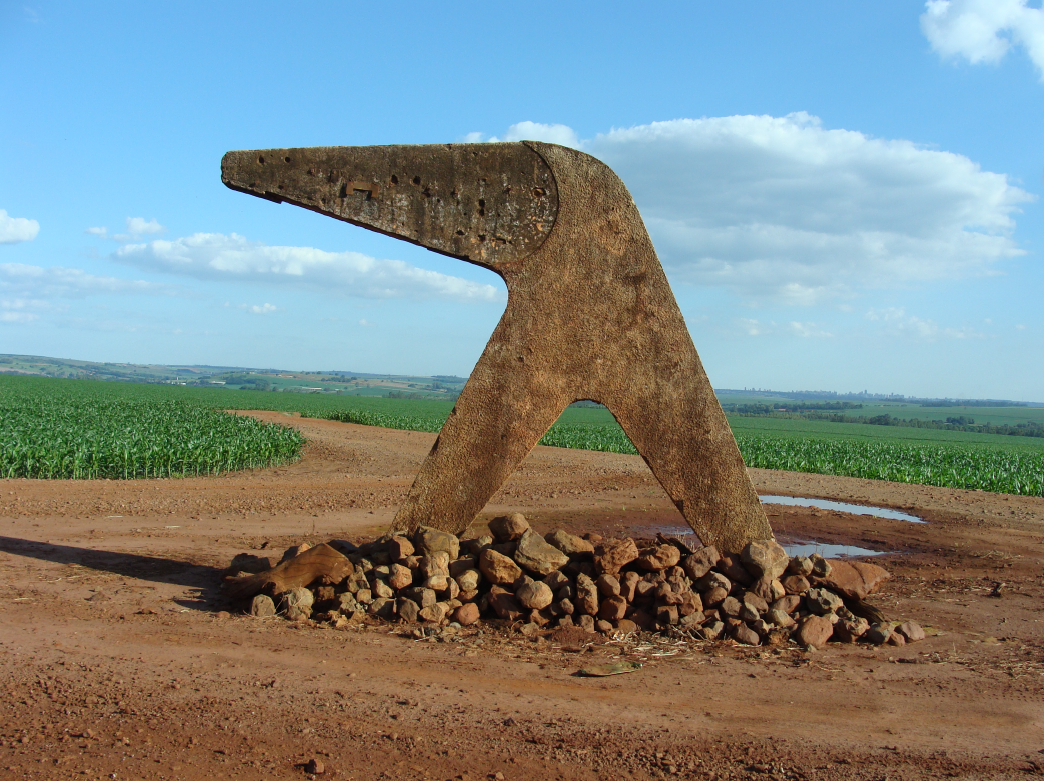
433, 614
603, 626
535, 555
779, 618
469, 580
408, 610
612, 608
755, 602
712, 630
815, 631
850, 630
796, 584
461, 565
399, 577
424, 597
896, 639
498, 568
821, 601
714, 596
557, 580
878, 634
766, 558
507, 528
428, 540
534, 595
505, 605
768, 589
434, 563
466, 614
298, 613
628, 582
747, 613
699, 563
438, 582
569, 544
315, 767
399, 548
298, 597
346, 603
611, 556
714, 580
382, 608
565, 621
658, 558
608, 586
911, 630
800, 565
787, 604
478, 544
745, 635
690, 603
667, 614
382, 590
821, 568
294, 551
586, 595
732, 566
262, 606
585, 622
731, 606
626, 625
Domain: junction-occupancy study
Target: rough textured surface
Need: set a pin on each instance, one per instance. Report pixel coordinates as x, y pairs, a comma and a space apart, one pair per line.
590, 315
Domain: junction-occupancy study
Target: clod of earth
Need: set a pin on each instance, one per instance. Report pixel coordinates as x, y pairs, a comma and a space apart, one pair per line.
616, 586
590, 315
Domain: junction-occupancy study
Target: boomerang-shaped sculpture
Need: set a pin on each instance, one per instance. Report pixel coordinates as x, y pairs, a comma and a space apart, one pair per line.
590, 315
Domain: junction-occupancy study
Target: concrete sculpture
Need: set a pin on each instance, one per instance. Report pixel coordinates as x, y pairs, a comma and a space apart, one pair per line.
590, 315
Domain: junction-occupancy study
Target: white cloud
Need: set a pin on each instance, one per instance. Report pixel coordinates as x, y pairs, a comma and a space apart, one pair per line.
16, 229
136, 228
101, 232
20, 310
753, 327
216, 256
56, 281
779, 207
808, 330
984, 30
897, 323
531, 131
261, 309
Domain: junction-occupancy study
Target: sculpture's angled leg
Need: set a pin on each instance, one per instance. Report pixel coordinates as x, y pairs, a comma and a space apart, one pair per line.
502, 413
590, 315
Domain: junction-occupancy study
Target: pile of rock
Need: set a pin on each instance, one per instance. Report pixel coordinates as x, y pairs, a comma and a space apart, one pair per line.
761, 596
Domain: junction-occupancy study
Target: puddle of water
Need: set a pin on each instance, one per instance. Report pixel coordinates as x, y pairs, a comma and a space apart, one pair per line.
804, 548
855, 509
797, 548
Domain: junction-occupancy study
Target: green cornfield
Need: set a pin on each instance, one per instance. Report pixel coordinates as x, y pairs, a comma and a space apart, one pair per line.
83, 428
66, 435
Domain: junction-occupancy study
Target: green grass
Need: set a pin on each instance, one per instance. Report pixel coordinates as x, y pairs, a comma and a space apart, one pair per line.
944, 458
63, 429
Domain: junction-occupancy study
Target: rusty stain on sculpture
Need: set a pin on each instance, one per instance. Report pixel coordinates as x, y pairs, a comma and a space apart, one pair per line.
590, 315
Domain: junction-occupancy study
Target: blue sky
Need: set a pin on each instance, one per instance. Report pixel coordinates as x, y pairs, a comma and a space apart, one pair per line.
844, 196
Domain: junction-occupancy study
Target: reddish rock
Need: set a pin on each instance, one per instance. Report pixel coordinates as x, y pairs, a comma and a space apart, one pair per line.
399, 576
715, 596
658, 558
756, 603
787, 604
399, 548
626, 625
667, 614
796, 584
815, 631
766, 559
700, 562
768, 589
569, 544
535, 555
505, 605
734, 570
586, 595
731, 606
690, 603
911, 630
628, 582
603, 626
896, 639
612, 555
848, 631
506, 528
612, 608
498, 568
854, 579
608, 586
466, 614
642, 619
745, 635
534, 595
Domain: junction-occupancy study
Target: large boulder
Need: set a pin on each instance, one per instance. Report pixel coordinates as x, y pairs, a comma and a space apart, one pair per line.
498, 568
508, 528
569, 544
428, 540
611, 556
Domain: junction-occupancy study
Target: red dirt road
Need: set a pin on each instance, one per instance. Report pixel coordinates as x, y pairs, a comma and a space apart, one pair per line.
117, 662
